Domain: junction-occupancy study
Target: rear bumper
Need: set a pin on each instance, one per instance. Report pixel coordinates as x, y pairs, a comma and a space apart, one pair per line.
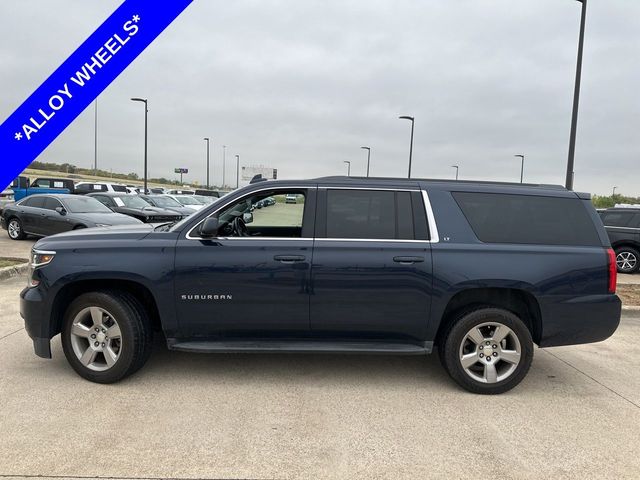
577, 320
37, 321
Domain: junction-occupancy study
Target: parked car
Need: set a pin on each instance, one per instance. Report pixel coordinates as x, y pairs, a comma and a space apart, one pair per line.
204, 200
291, 198
623, 228
188, 201
156, 191
481, 271
168, 203
23, 187
207, 193
82, 188
136, 207
43, 215
175, 191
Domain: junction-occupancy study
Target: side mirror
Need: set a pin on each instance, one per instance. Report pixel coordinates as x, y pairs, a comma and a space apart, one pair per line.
209, 228
247, 217
61, 210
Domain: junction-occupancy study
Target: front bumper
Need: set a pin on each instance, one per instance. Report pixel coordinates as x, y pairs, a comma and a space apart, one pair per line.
37, 320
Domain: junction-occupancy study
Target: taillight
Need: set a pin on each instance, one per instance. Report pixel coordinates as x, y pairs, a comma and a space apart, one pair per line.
613, 270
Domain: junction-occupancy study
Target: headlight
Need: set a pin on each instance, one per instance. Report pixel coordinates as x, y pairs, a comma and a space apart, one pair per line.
102, 225
39, 258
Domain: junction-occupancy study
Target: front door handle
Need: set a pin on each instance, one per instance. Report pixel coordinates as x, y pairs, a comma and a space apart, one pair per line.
289, 258
408, 260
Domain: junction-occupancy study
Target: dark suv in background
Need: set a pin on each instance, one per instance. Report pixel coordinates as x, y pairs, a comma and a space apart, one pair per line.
478, 271
623, 228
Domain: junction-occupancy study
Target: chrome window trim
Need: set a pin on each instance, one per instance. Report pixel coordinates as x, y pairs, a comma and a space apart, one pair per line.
434, 237
623, 228
283, 187
431, 221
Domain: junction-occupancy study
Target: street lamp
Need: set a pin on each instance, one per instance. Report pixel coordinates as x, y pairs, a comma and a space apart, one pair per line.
521, 166
206, 139
237, 171
576, 100
457, 169
348, 167
224, 161
368, 158
614, 192
146, 111
407, 117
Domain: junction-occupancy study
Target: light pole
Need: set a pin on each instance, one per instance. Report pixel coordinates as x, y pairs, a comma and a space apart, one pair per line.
237, 171
407, 117
521, 167
457, 169
206, 139
146, 111
614, 192
576, 100
95, 139
224, 155
368, 158
348, 167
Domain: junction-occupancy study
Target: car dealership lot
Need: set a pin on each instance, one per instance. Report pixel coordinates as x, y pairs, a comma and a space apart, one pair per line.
304, 416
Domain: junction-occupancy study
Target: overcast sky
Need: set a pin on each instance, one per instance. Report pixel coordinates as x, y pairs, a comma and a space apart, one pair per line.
300, 85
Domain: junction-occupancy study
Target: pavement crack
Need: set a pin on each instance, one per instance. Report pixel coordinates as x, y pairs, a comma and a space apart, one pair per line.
595, 380
9, 334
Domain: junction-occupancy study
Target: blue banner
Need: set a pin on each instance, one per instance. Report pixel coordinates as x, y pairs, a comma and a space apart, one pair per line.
80, 79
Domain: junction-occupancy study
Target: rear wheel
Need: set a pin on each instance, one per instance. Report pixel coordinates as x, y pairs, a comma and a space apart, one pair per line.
627, 260
487, 351
106, 336
14, 229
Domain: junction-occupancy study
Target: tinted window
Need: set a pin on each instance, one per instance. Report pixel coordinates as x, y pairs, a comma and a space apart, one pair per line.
37, 202
51, 203
617, 219
404, 216
82, 204
119, 188
501, 218
361, 214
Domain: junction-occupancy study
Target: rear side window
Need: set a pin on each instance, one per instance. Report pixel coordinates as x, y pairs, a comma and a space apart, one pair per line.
502, 218
618, 219
37, 202
369, 214
119, 188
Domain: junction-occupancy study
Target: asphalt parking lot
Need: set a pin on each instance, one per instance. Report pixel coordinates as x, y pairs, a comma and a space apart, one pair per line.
294, 416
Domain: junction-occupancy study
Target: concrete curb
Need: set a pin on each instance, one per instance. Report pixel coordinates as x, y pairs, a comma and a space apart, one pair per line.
14, 270
631, 308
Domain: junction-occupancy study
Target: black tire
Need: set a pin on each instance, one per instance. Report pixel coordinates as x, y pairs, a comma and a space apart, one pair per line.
136, 334
455, 340
19, 235
627, 260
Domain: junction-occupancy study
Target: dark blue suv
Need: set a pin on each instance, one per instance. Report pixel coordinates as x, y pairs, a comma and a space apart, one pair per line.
480, 271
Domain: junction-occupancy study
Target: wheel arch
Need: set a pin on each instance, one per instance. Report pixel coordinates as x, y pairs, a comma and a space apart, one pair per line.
520, 302
72, 290
626, 243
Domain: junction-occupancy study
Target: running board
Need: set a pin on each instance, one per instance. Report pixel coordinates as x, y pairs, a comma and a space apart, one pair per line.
301, 346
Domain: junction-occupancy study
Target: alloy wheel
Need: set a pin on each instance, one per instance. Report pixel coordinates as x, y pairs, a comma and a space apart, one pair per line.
490, 352
96, 338
626, 261
14, 228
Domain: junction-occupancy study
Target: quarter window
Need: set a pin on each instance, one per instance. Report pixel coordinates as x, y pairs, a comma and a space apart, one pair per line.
528, 219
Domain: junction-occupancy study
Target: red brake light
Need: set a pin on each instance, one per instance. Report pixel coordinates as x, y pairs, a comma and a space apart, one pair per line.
613, 270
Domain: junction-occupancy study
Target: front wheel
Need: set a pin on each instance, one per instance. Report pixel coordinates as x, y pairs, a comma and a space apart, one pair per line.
487, 351
627, 260
106, 336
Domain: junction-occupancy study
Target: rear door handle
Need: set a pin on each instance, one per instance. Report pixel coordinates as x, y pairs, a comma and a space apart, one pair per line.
408, 260
289, 258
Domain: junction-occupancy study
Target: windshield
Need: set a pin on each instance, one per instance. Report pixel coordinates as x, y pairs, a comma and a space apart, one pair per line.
205, 200
187, 200
131, 201
165, 202
78, 204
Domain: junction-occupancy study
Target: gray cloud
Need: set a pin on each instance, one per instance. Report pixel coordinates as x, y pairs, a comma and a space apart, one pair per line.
301, 85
